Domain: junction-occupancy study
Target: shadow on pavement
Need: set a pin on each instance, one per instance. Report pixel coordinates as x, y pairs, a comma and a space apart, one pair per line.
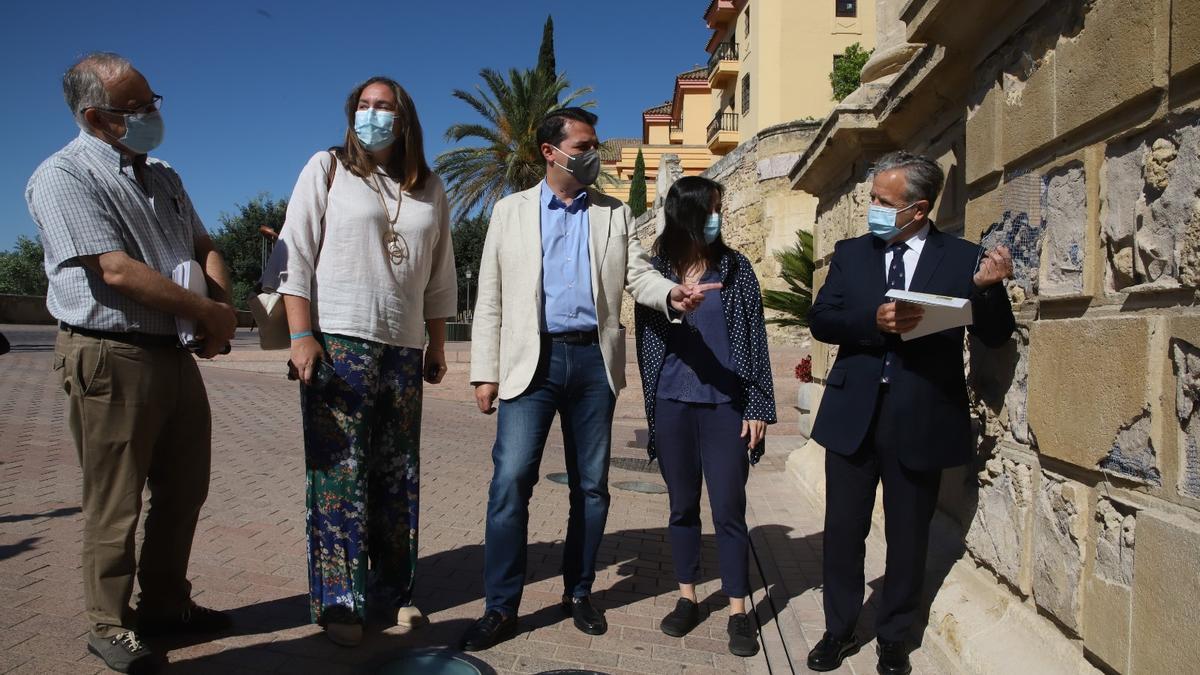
56, 513
452, 580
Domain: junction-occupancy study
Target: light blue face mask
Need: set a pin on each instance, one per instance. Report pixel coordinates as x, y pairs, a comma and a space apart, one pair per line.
374, 128
712, 228
882, 220
143, 132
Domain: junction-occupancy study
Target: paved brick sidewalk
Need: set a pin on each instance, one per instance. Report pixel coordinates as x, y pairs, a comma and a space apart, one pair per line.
249, 549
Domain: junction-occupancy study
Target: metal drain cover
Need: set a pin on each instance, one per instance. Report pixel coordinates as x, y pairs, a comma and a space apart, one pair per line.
431, 662
640, 486
634, 464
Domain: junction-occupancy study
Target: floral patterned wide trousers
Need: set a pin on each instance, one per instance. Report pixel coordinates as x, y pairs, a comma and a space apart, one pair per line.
362, 431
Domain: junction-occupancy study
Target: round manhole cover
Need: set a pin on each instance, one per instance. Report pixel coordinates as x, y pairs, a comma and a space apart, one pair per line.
431, 662
560, 478
640, 486
634, 464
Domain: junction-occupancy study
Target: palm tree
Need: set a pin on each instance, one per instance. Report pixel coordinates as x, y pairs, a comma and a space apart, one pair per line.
796, 270
509, 160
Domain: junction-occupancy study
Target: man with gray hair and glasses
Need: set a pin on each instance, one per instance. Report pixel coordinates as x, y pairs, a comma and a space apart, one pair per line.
894, 410
114, 225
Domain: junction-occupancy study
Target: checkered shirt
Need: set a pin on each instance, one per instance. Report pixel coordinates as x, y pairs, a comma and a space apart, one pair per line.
86, 201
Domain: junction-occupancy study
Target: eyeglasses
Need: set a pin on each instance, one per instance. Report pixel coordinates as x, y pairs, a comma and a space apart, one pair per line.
154, 105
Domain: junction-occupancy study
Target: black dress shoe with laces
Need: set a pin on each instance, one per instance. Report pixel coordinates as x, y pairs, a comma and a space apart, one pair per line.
893, 658
682, 619
490, 630
194, 619
586, 617
831, 651
743, 638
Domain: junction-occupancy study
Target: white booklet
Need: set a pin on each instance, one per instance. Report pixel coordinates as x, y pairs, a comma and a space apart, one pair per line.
189, 275
941, 312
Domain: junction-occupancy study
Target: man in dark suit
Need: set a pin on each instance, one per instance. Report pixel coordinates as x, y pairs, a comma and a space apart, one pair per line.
894, 410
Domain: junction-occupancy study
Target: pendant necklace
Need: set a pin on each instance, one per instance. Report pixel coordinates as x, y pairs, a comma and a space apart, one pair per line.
397, 246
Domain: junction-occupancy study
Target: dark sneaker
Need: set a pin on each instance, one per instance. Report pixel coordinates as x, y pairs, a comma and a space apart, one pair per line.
124, 653
193, 619
682, 619
743, 638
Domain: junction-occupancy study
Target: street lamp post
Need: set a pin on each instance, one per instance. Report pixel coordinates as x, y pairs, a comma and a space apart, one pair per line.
468, 274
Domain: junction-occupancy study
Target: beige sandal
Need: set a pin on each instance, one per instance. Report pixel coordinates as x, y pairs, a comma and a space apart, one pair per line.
410, 617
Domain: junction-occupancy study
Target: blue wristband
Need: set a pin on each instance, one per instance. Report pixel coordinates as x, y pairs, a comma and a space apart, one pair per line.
304, 334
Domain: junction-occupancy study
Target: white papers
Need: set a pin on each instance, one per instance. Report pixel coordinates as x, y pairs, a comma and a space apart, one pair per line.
941, 312
189, 275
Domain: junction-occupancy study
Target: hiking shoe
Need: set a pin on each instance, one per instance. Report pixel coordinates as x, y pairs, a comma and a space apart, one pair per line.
682, 619
124, 653
743, 639
193, 619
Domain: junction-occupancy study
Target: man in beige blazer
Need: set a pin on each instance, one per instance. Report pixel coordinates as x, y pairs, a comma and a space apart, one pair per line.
546, 340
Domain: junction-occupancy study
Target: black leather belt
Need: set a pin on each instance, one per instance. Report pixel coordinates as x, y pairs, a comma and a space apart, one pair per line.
136, 339
576, 337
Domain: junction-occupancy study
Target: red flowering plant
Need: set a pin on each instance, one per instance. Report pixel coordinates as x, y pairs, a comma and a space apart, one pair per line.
804, 370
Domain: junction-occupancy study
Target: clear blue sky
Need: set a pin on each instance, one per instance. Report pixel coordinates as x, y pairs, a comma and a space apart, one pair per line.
251, 89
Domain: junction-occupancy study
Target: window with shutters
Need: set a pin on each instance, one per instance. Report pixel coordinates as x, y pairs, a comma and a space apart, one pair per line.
746, 93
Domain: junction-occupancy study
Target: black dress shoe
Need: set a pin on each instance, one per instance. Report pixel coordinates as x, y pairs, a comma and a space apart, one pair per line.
587, 618
831, 651
192, 620
682, 619
893, 658
491, 629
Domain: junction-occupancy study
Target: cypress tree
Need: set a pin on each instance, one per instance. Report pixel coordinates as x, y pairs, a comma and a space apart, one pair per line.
546, 53
637, 186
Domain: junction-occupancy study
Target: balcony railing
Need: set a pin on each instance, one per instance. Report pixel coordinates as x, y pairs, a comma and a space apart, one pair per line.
726, 51
722, 121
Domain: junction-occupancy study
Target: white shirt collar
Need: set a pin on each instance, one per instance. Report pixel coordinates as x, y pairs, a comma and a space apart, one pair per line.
917, 241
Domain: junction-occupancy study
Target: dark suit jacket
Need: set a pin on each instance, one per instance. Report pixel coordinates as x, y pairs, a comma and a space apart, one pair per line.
928, 387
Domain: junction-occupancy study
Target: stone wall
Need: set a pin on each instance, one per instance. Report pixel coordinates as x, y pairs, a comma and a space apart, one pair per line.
760, 213
1071, 132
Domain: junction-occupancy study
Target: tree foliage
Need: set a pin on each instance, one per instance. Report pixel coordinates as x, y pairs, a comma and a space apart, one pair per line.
847, 70
21, 269
508, 160
796, 269
637, 186
469, 234
241, 244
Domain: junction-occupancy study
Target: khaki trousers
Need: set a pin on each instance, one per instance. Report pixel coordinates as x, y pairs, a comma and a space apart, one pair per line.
139, 418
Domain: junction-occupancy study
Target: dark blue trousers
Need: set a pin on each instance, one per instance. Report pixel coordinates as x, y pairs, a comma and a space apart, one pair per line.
909, 499
697, 440
572, 383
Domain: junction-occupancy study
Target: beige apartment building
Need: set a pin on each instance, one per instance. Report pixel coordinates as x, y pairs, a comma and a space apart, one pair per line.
768, 63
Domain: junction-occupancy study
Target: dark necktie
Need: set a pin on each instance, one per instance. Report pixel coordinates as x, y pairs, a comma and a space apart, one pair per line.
895, 279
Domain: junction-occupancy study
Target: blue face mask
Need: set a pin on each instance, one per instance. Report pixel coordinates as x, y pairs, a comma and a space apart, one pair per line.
712, 228
143, 132
374, 128
882, 221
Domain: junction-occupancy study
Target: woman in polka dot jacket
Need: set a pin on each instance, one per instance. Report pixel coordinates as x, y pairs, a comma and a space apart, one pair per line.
709, 397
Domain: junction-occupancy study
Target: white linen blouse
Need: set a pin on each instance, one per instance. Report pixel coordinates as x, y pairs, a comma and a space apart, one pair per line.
347, 275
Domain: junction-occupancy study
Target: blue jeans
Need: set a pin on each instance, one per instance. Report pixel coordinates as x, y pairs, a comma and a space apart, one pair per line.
571, 381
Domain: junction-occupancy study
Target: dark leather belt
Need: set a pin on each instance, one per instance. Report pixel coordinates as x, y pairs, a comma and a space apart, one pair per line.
136, 339
576, 337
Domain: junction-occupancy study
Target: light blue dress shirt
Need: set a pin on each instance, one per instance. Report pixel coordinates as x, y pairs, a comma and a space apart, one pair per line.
566, 264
